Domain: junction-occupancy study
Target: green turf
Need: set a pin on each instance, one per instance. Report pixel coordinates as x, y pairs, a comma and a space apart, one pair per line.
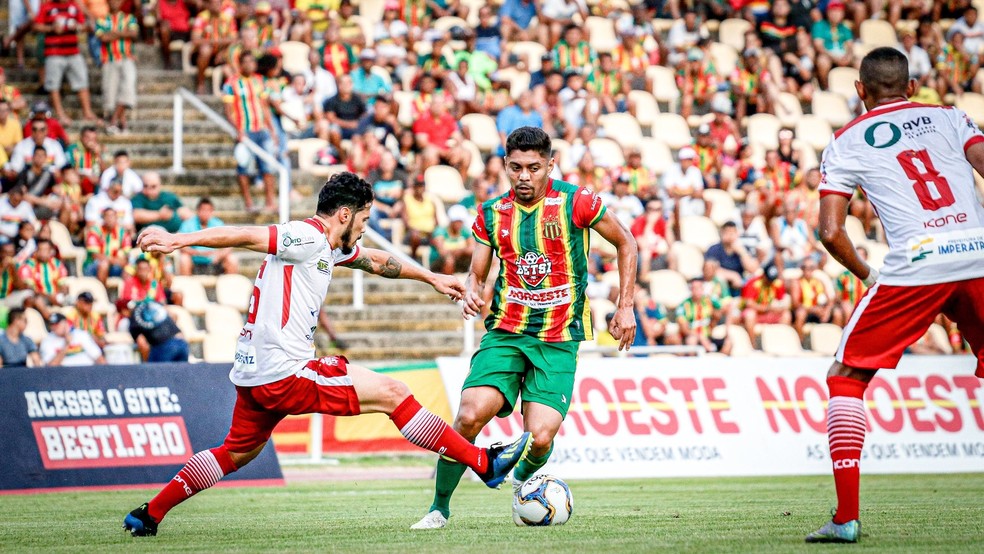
912, 513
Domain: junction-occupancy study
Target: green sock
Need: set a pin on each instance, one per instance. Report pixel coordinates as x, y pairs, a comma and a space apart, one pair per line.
448, 476
529, 464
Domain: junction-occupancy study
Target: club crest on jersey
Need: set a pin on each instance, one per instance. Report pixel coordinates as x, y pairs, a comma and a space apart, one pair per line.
552, 229
324, 267
533, 268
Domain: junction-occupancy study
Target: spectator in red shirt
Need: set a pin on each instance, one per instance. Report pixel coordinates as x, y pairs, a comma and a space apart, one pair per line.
108, 246
765, 300
438, 135
60, 21
41, 111
654, 237
172, 24
141, 285
212, 34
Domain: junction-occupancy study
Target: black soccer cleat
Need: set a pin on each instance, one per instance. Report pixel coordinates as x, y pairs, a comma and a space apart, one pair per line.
139, 523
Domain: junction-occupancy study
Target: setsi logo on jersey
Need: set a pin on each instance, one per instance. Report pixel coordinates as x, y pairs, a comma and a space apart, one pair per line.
540, 299
533, 268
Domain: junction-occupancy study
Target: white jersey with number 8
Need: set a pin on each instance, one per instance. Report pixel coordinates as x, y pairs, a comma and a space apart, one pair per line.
290, 287
910, 161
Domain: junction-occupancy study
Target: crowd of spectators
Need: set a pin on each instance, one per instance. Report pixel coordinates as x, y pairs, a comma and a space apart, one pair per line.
418, 97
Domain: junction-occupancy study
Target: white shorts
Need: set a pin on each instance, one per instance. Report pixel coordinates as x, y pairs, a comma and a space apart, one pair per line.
57, 67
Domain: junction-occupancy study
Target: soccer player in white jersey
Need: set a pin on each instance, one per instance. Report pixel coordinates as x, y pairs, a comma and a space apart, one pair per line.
275, 372
916, 164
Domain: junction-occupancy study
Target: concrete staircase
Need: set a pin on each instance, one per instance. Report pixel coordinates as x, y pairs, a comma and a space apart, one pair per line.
402, 320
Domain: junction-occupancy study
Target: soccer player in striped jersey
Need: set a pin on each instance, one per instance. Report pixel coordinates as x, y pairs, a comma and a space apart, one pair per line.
539, 315
916, 164
275, 371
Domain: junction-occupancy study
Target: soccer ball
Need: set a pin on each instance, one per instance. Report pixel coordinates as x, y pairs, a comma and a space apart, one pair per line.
543, 500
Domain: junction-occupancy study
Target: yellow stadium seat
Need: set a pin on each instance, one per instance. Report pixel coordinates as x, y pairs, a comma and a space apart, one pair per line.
482, 131
223, 320
689, 259
530, 51
973, 104
234, 290
763, 128
646, 107
606, 152
825, 338
781, 340
699, 231
876, 253
725, 59
664, 85
789, 110
447, 22
855, 230
186, 323
656, 155
195, 299
295, 56
476, 167
445, 182
36, 329
66, 249
832, 107
732, 32
668, 287
841, 80
814, 131
672, 129
623, 128
723, 207
878, 32
307, 152
602, 33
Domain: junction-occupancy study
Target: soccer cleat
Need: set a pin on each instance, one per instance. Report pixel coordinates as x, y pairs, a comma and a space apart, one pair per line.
503, 458
433, 520
139, 523
837, 532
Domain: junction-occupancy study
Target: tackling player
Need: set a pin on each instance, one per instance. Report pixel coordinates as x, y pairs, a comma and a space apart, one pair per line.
274, 372
916, 164
539, 313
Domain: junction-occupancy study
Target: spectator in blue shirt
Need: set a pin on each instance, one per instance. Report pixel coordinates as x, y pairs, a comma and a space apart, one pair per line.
365, 83
520, 114
488, 37
515, 17
200, 259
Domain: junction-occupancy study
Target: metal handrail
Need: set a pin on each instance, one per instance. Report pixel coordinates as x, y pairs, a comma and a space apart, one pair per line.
183, 95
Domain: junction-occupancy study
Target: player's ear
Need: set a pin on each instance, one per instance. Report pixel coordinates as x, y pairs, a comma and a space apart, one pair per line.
911, 87
859, 87
344, 213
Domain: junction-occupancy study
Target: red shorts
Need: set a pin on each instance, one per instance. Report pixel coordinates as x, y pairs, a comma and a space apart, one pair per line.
322, 386
890, 318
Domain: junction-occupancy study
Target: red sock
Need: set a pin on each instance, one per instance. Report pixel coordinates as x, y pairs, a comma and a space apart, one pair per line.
845, 434
203, 470
426, 430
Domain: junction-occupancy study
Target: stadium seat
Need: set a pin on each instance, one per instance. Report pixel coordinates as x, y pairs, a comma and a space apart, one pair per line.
763, 128
602, 33
307, 152
447, 22
656, 155
78, 285
372, 9
562, 155
664, 85
723, 207
606, 153
732, 32
473, 7
741, 345
825, 338
481, 130
673, 130
876, 253
877, 32
193, 291
223, 320
234, 290
789, 110
444, 182
119, 337
519, 81
476, 167
973, 104
601, 246
623, 128
218, 349
781, 340
600, 307
689, 259
833, 268
66, 249
814, 131
646, 108
699, 231
295, 56
940, 338
668, 287
855, 230
404, 103
186, 322
841, 80
531, 51
725, 59
36, 329
808, 156
832, 107
791, 273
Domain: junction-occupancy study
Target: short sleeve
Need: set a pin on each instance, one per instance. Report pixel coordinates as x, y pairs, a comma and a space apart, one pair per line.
341, 258
295, 241
835, 176
588, 208
968, 133
29, 344
479, 230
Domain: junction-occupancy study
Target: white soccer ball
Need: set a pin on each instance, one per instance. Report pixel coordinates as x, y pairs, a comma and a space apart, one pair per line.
543, 500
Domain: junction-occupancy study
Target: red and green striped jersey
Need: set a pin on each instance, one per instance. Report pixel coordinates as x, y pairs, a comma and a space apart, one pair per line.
108, 242
119, 49
573, 57
7, 280
247, 95
849, 287
42, 277
699, 314
543, 272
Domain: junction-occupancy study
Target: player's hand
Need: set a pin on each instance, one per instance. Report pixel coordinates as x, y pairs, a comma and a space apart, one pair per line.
623, 327
449, 285
155, 239
473, 304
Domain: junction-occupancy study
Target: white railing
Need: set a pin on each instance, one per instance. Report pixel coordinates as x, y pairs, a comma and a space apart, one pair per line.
183, 95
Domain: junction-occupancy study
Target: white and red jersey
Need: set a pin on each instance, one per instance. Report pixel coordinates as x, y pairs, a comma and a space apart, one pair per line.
910, 161
290, 287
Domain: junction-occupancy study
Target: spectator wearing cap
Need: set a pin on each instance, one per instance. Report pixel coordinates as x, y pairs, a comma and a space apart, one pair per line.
267, 33
110, 197
390, 36
573, 52
156, 206
514, 116
14, 210
10, 129
173, 19
620, 201
419, 215
60, 22
16, 348
697, 316
555, 15
121, 171
344, 111
83, 317
11, 94
766, 301
67, 346
684, 35
833, 41
41, 111
107, 247
23, 153
684, 184
157, 336
452, 246
488, 36
957, 66
116, 32
142, 285
212, 33
337, 57
516, 20
439, 137
43, 274
539, 77
86, 156
696, 79
201, 259
708, 156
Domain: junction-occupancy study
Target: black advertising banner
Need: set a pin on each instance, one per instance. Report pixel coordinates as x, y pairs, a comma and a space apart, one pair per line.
115, 426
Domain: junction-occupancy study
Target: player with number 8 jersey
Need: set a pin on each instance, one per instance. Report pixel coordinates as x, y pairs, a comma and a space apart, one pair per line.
916, 164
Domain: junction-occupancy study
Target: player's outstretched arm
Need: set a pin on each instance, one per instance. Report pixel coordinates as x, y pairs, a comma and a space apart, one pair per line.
623, 325
833, 235
156, 239
382, 263
478, 272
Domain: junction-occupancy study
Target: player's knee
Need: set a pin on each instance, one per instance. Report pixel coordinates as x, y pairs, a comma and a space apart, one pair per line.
542, 437
394, 392
469, 421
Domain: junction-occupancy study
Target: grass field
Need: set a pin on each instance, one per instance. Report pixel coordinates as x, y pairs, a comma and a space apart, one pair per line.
911, 513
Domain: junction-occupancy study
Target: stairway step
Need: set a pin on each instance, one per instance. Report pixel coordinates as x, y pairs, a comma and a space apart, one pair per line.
417, 339
397, 326
401, 352
156, 140
340, 309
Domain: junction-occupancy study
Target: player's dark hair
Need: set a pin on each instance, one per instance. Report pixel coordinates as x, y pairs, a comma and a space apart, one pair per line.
344, 189
885, 72
14, 315
88, 129
729, 225
205, 201
40, 148
39, 242
121, 154
529, 139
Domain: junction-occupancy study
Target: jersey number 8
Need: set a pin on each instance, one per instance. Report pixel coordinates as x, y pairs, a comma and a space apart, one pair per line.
919, 168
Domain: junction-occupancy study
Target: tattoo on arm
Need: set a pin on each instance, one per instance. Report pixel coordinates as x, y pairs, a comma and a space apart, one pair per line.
391, 269
362, 262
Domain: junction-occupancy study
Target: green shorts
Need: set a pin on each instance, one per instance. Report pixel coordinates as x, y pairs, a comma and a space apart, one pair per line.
514, 363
